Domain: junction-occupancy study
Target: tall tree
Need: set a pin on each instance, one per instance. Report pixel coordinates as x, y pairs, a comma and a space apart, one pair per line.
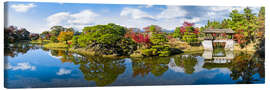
65, 36
261, 23
187, 32
55, 30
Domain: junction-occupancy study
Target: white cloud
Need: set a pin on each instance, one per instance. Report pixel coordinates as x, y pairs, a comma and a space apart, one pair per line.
218, 8
135, 13
193, 20
168, 18
58, 18
211, 13
146, 6
63, 71
20, 66
65, 18
227, 8
22, 7
172, 12
198, 25
219, 13
84, 17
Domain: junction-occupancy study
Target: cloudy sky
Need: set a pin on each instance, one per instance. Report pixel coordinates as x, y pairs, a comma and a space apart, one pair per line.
38, 17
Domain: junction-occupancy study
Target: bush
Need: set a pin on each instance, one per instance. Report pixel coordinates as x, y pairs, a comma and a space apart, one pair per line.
105, 39
175, 51
53, 39
161, 47
158, 50
127, 46
164, 53
149, 52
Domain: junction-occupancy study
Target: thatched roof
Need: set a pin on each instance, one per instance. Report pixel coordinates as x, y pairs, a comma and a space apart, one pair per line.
218, 31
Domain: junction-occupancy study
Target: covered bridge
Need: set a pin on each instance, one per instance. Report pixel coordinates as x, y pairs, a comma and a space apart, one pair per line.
218, 35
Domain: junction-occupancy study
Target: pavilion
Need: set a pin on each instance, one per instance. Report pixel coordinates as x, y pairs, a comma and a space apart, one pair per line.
218, 35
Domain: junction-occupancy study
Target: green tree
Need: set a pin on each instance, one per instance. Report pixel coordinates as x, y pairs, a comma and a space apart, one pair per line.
65, 36
45, 35
69, 30
158, 38
261, 23
105, 34
53, 39
153, 28
106, 39
244, 25
177, 33
55, 30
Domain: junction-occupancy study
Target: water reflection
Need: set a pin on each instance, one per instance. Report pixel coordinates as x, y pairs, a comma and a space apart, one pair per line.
239, 67
218, 54
19, 48
245, 66
100, 70
185, 62
154, 65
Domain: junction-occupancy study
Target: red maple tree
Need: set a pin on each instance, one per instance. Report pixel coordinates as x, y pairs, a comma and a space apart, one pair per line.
138, 37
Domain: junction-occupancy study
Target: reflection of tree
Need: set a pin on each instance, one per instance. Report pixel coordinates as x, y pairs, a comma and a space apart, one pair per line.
156, 65
45, 49
16, 48
187, 62
245, 66
54, 52
219, 52
64, 54
210, 65
102, 71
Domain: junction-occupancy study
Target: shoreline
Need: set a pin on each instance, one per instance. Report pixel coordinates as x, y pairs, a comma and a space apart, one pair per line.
56, 46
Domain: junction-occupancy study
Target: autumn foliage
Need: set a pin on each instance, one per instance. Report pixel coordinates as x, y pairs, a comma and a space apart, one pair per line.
187, 32
65, 36
139, 37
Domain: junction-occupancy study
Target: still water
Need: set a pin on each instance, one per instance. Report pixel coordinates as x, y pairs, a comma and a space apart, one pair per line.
30, 66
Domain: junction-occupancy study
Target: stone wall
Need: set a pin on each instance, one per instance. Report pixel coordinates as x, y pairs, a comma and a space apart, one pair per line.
229, 45
208, 45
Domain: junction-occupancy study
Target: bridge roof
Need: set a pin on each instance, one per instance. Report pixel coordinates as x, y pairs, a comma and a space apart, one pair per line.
218, 31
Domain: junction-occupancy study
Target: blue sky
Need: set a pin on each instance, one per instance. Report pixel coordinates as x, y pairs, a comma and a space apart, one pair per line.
38, 17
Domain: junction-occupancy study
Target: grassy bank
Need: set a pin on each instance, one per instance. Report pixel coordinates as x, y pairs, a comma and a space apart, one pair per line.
90, 52
194, 49
39, 41
137, 54
55, 45
83, 51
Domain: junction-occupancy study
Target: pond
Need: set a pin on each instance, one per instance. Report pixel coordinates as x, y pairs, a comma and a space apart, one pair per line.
32, 66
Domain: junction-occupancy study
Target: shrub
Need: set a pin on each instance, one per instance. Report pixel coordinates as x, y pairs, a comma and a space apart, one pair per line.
105, 39
157, 50
164, 53
53, 39
127, 46
65, 36
160, 47
149, 52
